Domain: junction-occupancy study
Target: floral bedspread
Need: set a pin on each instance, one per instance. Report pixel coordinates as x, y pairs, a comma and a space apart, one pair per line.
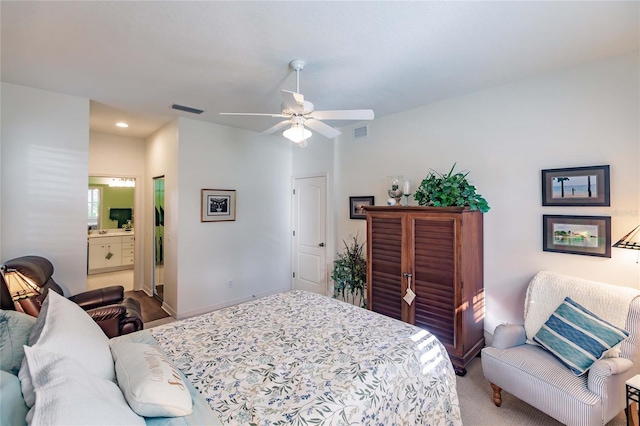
298, 358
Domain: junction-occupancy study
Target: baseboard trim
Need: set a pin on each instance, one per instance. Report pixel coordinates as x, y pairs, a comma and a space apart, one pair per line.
168, 309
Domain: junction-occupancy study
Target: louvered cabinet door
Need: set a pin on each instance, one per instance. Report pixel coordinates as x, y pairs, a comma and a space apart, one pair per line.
385, 265
434, 254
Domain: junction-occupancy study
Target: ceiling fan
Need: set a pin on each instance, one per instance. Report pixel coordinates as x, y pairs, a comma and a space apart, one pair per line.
301, 116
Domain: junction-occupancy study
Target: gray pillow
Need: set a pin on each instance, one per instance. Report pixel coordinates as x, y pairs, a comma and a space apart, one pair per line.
15, 328
12, 407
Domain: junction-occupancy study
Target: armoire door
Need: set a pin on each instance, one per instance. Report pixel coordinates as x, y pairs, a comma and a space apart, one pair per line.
434, 253
385, 268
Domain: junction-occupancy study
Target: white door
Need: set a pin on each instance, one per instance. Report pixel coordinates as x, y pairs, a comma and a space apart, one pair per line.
309, 227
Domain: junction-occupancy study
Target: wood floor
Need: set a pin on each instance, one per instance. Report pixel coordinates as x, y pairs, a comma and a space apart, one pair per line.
151, 307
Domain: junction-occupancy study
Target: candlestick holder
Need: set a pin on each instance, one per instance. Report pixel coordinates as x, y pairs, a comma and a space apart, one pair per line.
406, 203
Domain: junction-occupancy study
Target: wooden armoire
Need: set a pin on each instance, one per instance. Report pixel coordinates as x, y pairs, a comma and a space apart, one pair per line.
439, 249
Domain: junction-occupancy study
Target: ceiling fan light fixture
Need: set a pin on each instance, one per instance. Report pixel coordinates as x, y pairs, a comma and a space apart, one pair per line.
297, 133
300, 114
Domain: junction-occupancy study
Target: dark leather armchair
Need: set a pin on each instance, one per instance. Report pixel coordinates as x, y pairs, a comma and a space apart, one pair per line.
114, 313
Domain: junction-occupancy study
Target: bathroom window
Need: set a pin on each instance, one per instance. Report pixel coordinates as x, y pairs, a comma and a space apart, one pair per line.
94, 208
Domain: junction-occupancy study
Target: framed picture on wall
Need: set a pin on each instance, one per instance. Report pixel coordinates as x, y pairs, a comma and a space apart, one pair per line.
356, 205
577, 186
218, 205
586, 235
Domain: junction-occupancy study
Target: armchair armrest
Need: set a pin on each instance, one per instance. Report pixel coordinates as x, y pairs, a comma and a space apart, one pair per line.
100, 297
105, 313
604, 369
508, 336
606, 379
132, 320
108, 318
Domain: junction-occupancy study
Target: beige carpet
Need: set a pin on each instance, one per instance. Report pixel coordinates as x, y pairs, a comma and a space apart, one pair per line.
477, 408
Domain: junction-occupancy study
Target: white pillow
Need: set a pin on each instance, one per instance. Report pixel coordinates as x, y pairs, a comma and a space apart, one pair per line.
67, 394
65, 328
149, 382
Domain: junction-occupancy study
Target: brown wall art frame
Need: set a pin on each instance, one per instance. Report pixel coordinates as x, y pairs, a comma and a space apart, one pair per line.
585, 235
577, 186
356, 204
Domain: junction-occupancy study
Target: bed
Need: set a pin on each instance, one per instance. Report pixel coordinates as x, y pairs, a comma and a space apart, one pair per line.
298, 358
293, 358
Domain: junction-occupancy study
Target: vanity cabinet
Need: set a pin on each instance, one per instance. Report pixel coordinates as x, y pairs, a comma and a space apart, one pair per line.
110, 253
438, 251
127, 250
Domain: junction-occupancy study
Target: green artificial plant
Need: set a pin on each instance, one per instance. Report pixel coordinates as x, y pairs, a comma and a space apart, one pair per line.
441, 190
350, 274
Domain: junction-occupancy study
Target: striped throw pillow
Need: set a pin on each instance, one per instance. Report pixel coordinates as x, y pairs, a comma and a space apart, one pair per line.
577, 336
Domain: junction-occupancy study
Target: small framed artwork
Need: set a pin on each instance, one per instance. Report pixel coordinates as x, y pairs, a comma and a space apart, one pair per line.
356, 205
577, 186
587, 235
218, 205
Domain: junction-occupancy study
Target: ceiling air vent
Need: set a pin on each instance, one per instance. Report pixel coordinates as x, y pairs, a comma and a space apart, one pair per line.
361, 132
187, 109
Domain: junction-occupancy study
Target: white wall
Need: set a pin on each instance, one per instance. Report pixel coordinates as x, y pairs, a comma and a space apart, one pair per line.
254, 251
505, 136
120, 156
162, 160
45, 144
113, 155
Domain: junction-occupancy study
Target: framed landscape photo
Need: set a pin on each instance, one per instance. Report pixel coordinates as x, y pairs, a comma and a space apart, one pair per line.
586, 235
577, 186
356, 205
218, 205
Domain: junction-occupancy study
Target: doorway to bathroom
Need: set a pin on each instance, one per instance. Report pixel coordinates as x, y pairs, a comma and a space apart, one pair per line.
158, 237
111, 233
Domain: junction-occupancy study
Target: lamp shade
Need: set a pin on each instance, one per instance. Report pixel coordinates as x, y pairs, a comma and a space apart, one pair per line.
631, 240
19, 285
297, 133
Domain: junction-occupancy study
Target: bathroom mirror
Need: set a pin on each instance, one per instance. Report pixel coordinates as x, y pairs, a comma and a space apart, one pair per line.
110, 202
158, 237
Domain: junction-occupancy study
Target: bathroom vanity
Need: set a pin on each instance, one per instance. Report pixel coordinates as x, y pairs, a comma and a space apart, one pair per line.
111, 251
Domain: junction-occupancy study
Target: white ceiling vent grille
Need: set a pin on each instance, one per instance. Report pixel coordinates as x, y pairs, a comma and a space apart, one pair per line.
361, 132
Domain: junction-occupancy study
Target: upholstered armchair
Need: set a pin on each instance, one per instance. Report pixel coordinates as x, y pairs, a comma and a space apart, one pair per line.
518, 365
114, 313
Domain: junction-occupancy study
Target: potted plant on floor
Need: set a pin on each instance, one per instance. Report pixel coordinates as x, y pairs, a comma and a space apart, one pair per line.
441, 190
350, 274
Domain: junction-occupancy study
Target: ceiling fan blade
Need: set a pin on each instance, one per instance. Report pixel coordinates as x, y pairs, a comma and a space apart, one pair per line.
292, 100
349, 114
324, 129
254, 113
277, 127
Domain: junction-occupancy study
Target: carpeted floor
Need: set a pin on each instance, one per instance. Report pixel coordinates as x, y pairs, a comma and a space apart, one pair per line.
477, 408
150, 306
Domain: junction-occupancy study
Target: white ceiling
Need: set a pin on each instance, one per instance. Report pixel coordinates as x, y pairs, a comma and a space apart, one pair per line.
135, 59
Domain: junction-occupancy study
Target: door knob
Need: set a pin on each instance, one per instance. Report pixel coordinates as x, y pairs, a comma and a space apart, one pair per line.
321, 245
